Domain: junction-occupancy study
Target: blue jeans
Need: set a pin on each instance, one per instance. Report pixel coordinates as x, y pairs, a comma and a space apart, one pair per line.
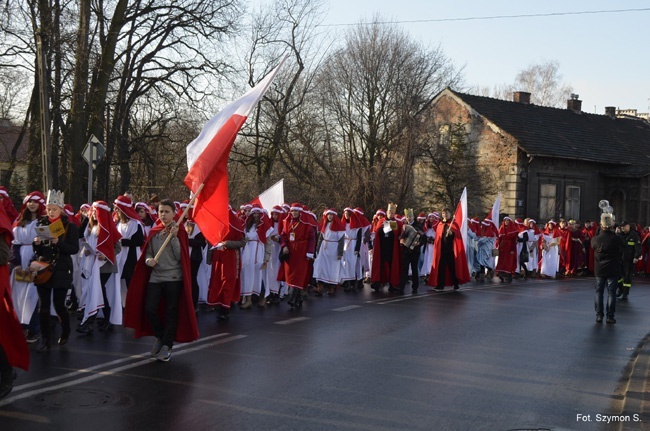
611, 283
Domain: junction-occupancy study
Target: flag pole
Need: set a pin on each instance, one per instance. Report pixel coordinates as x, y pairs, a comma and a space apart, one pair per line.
180, 222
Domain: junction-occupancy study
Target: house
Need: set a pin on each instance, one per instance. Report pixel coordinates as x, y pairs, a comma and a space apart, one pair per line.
551, 162
9, 134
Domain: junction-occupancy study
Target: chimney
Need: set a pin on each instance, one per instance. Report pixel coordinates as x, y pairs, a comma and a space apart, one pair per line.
610, 111
521, 97
574, 103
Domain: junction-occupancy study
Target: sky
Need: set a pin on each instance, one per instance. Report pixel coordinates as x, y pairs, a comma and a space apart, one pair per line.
603, 56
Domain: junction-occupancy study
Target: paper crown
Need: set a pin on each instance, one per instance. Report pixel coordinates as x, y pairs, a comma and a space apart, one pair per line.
55, 197
408, 213
392, 207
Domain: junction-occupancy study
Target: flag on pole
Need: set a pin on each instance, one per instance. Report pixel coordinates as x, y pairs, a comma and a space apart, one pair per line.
207, 160
271, 197
496, 210
460, 219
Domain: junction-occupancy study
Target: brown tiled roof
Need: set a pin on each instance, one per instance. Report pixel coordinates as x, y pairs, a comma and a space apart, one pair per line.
8, 135
622, 143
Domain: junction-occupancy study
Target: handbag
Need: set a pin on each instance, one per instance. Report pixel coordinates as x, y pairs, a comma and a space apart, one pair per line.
23, 275
41, 272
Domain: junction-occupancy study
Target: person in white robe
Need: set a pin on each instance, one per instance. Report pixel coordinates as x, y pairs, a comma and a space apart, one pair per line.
25, 296
271, 282
255, 256
550, 262
97, 263
329, 252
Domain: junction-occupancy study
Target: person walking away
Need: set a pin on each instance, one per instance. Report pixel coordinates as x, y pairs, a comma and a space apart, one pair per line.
608, 254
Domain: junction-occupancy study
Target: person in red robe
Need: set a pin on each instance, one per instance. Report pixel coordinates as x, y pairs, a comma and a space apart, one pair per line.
449, 266
574, 249
135, 313
224, 289
386, 255
298, 244
14, 351
8, 205
588, 232
507, 246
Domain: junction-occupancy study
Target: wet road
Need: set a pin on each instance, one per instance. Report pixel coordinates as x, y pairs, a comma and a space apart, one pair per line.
526, 355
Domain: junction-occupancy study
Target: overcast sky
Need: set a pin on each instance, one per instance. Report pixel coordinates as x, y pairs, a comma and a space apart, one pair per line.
603, 56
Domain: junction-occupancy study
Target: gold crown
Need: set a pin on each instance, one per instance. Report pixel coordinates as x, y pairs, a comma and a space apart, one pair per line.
55, 197
409, 213
392, 207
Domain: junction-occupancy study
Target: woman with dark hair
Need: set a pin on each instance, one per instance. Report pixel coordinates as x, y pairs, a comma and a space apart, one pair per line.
147, 216
23, 290
56, 251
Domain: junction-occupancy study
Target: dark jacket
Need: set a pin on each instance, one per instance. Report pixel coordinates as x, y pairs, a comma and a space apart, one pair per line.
633, 247
608, 254
59, 253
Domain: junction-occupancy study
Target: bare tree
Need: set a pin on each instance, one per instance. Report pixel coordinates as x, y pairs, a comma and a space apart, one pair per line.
544, 83
372, 88
267, 152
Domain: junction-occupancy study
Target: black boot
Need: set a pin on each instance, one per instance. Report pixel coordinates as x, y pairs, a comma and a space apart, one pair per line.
88, 327
7, 381
65, 328
223, 314
46, 330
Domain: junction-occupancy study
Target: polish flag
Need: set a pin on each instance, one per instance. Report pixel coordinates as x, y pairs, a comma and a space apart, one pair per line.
207, 160
460, 220
460, 216
271, 197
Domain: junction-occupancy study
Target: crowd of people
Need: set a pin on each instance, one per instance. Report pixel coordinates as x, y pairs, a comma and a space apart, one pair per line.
136, 264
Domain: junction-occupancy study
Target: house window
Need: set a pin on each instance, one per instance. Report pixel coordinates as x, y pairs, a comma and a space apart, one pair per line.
572, 202
445, 134
547, 201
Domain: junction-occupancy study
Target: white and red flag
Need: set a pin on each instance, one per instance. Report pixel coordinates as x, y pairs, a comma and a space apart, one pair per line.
460, 216
271, 197
207, 160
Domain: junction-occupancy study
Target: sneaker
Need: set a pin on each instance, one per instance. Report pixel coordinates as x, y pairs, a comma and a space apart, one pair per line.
31, 337
165, 354
157, 346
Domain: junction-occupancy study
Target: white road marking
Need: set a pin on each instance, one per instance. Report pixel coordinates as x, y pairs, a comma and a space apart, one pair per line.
290, 321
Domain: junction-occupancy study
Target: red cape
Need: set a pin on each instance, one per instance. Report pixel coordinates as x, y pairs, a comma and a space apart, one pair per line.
134, 311
394, 275
11, 333
460, 257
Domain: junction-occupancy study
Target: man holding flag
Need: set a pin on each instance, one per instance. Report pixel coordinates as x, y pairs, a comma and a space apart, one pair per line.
450, 260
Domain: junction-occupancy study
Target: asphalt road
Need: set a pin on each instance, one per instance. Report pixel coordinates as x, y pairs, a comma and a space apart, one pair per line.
527, 355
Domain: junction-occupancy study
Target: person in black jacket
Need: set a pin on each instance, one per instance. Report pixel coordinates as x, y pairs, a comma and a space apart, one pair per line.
631, 255
58, 252
608, 254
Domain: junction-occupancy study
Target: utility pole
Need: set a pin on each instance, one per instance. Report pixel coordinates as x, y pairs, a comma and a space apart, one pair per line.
46, 144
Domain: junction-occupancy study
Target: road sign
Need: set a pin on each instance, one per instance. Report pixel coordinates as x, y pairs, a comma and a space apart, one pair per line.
97, 148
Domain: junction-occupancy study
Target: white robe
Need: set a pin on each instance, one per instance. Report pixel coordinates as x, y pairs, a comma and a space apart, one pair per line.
25, 296
252, 258
550, 257
91, 299
350, 262
273, 267
532, 244
327, 265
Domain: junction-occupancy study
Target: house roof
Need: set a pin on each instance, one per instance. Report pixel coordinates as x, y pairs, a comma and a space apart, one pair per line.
621, 143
